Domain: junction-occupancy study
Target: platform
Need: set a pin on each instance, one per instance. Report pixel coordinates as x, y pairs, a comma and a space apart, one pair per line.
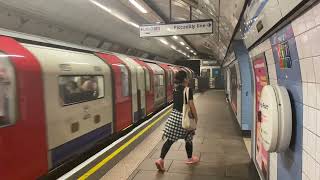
218, 142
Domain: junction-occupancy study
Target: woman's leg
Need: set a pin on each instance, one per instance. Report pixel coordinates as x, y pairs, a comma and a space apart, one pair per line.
189, 149
165, 148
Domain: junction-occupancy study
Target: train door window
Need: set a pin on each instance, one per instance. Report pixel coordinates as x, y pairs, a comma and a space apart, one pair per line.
124, 80
147, 78
161, 80
8, 101
172, 77
168, 77
80, 88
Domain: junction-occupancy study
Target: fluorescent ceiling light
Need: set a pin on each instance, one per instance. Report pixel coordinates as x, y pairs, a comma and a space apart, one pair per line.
191, 51
175, 37
187, 47
182, 43
173, 47
101, 6
122, 18
138, 6
195, 54
134, 24
164, 41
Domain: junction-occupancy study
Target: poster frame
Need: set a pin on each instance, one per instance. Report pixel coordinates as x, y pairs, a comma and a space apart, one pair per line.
253, 131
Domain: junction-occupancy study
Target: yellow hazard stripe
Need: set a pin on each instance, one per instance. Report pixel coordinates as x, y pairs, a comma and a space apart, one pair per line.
121, 148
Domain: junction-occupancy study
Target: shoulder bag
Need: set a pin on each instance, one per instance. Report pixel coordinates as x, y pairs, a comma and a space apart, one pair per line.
188, 120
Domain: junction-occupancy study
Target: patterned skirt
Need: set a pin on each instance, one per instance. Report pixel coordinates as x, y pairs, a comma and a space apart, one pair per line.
173, 130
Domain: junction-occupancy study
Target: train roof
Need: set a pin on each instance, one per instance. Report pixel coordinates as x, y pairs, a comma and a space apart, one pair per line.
44, 41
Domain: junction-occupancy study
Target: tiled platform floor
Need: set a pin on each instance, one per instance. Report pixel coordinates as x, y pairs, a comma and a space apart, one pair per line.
218, 143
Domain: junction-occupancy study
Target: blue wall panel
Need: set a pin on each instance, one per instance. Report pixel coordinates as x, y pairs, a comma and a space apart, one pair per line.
243, 58
289, 75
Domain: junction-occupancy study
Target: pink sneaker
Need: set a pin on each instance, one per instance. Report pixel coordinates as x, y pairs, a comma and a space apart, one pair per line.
160, 164
193, 160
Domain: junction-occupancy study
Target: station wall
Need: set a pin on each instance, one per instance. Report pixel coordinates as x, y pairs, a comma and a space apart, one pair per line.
293, 61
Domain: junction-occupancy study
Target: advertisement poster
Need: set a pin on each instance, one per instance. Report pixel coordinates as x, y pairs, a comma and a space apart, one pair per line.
261, 80
234, 86
283, 51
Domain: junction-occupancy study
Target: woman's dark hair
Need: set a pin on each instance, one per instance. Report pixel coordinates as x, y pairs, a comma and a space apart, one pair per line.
180, 77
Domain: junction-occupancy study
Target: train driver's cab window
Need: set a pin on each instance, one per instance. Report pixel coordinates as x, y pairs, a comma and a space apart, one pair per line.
147, 76
81, 88
8, 101
124, 80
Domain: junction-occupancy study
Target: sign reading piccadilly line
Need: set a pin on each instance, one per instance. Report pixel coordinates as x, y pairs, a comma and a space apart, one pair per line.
181, 28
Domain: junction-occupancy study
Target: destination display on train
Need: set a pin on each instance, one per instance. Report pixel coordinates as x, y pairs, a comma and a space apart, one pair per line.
181, 28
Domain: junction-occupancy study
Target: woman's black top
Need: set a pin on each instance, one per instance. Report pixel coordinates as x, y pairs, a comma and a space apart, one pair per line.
178, 97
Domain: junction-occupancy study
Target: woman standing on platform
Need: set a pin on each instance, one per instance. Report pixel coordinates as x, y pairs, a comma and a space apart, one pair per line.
173, 129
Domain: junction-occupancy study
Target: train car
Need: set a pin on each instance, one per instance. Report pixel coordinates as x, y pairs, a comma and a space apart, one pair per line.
159, 85
63, 105
169, 81
122, 93
149, 76
58, 102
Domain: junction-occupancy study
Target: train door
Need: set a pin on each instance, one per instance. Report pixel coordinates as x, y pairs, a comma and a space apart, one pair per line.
169, 87
149, 75
158, 85
121, 83
23, 146
141, 76
138, 88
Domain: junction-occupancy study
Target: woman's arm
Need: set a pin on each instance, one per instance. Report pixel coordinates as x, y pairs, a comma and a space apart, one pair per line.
193, 110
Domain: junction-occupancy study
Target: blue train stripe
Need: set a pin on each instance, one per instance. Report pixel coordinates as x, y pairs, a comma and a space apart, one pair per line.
79, 145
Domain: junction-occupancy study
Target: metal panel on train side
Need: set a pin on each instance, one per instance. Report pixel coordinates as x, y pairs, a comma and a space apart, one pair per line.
78, 100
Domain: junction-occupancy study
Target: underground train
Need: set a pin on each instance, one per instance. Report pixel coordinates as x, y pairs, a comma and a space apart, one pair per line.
56, 103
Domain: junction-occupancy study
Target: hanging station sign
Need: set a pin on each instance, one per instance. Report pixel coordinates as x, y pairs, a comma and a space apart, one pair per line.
209, 63
179, 28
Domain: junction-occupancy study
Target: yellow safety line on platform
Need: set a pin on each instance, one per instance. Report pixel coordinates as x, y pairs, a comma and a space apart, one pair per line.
121, 148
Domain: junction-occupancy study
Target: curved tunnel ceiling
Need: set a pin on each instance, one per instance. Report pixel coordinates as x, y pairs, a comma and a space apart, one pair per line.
117, 21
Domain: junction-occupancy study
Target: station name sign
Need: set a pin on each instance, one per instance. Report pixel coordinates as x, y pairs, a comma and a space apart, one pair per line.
180, 28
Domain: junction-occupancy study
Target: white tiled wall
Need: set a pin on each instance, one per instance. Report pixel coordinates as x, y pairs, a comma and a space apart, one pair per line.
307, 31
307, 34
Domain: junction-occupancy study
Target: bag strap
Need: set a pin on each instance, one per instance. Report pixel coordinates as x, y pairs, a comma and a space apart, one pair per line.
186, 95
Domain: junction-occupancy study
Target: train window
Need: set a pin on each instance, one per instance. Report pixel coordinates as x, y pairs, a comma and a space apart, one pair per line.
8, 105
147, 75
168, 77
124, 80
80, 88
172, 77
161, 80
